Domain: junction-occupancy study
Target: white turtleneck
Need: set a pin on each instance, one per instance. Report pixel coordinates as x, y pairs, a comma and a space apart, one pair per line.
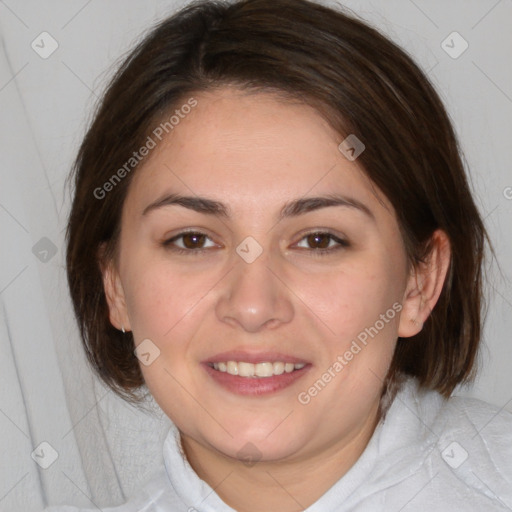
429, 454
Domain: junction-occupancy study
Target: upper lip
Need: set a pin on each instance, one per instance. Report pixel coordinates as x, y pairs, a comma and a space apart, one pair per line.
253, 357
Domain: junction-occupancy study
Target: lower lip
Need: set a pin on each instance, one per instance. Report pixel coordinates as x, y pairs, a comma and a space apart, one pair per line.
255, 386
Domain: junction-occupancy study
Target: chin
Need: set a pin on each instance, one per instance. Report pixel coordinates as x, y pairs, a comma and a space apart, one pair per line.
251, 445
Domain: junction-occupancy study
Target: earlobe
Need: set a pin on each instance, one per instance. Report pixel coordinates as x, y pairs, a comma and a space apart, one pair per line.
424, 286
114, 294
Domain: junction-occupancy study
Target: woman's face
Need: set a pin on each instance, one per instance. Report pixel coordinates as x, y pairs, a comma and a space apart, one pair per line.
263, 284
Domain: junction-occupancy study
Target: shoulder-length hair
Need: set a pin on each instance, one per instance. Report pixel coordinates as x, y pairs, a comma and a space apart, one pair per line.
361, 83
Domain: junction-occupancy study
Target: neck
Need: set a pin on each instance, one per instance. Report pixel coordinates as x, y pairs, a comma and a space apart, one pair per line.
289, 485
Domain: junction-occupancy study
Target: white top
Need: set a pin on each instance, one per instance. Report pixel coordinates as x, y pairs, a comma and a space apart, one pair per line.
429, 454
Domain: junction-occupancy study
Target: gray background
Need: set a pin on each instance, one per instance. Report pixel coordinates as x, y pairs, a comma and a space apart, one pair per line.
105, 448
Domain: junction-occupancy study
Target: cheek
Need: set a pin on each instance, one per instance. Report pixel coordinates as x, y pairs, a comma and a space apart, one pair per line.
351, 299
161, 304
157, 299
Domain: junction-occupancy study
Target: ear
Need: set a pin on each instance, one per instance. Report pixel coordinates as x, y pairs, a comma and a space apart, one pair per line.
424, 286
114, 292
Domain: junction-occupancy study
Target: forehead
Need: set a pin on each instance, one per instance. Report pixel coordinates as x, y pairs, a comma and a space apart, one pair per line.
249, 149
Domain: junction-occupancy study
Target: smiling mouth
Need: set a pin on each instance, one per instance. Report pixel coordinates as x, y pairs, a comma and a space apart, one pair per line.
258, 370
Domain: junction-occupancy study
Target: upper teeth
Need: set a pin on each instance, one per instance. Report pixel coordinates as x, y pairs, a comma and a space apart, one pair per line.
243, 369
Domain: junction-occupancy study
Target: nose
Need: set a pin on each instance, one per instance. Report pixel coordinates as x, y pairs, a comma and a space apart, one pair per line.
255, 295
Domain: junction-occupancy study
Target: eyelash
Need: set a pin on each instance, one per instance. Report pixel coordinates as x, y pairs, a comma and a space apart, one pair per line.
342, 244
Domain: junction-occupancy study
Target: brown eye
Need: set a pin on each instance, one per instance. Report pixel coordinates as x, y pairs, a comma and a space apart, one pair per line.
192, 242
319, 242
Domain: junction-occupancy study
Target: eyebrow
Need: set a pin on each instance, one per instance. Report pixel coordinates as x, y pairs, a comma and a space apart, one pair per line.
290, 209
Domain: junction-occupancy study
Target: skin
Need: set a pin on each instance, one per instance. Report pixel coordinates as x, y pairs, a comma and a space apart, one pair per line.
254, 153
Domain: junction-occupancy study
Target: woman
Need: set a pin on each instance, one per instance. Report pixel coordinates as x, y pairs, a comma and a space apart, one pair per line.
273, 233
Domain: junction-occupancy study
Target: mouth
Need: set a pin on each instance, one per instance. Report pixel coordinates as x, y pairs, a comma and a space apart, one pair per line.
262, 370
261, 375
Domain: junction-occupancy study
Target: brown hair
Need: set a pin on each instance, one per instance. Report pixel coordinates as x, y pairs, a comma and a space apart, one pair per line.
361, 83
